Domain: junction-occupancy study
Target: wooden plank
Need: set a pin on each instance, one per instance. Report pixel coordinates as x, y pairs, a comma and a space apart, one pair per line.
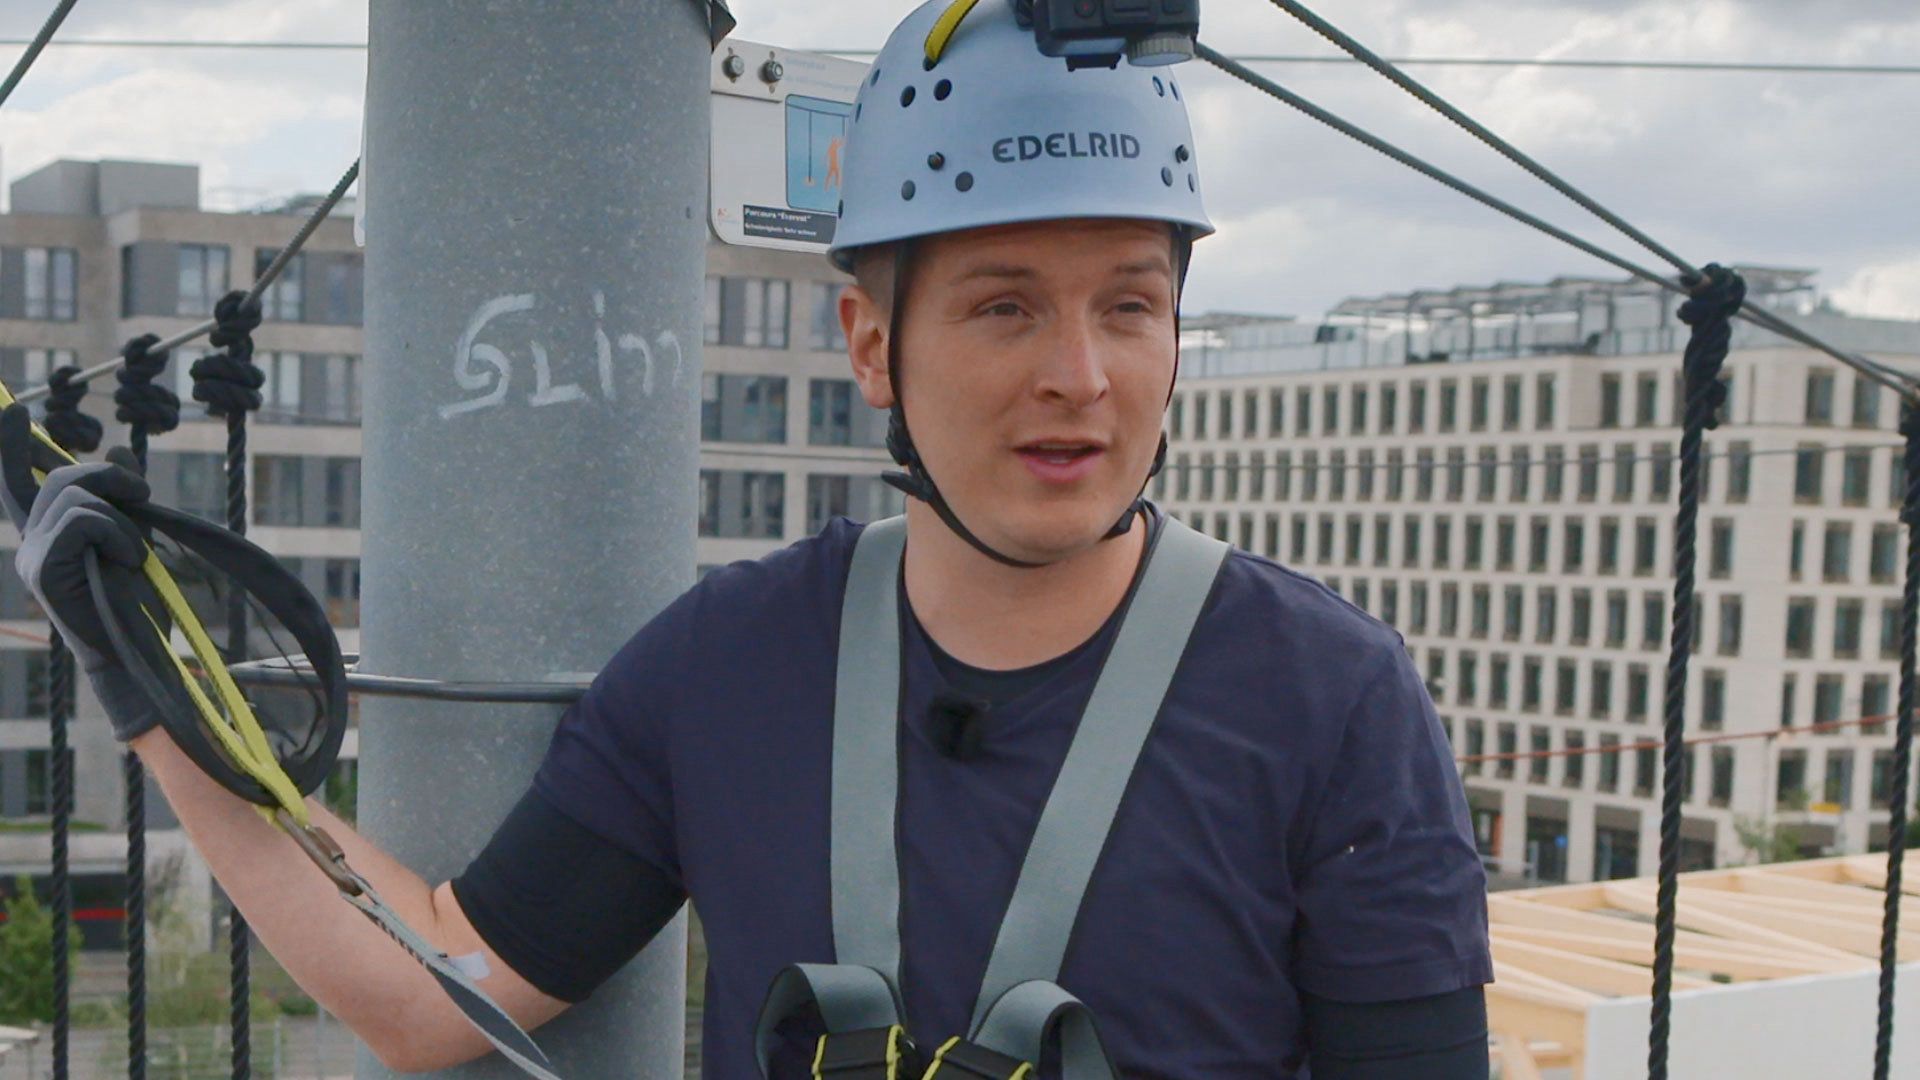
1585, 972
1641, 899
1516, 1059
1871, 871
1812, 922
1787, 886
1543, 988
1737, 961
1511, 1008
1505, 910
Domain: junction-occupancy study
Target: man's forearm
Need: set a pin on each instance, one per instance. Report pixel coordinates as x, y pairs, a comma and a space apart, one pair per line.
340, 958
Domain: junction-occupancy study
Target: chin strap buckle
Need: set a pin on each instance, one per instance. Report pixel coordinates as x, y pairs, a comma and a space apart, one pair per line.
962, 1060
869, 1054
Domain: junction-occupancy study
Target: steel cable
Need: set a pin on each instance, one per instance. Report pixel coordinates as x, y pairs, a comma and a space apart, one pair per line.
34, 47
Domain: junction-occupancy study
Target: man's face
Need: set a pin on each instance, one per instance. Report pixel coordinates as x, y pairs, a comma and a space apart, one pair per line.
1035, 363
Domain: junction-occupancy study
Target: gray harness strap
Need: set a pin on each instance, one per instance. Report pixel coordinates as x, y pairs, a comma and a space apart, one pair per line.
1020, 1006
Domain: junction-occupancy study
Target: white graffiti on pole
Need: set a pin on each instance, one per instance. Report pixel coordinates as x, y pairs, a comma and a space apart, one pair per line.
480, 365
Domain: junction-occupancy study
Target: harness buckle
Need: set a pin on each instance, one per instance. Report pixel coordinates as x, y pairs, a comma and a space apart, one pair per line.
869, 1054
962, 1059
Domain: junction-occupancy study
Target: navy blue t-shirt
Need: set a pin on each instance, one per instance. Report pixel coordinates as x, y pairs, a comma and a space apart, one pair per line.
1295, 822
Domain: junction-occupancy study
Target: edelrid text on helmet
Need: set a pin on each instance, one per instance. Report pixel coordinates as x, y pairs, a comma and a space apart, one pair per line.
994, 132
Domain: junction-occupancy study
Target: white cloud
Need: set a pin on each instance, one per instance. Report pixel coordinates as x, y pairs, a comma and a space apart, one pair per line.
1890, 290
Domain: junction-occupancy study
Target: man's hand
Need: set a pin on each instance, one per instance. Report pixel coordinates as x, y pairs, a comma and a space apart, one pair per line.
74, 513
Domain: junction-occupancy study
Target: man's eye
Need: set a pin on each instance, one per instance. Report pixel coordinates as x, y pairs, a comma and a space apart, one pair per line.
1004, 307
1134, 307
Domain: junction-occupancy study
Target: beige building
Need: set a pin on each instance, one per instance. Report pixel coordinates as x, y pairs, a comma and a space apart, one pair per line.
94, 253
1491, 471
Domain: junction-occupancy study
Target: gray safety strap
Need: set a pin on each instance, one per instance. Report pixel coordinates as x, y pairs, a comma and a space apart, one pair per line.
866, 720
1026, 1017
1085, 798
850, 998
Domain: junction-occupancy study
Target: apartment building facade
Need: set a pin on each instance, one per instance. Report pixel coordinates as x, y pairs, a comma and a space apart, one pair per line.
1506, 501
94, 253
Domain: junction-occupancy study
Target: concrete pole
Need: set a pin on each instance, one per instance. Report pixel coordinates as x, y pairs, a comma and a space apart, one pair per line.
536, 191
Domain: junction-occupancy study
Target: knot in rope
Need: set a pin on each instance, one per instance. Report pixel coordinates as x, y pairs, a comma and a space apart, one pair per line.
1716, 294
1910, 429
141, 401
70, 427
228, 381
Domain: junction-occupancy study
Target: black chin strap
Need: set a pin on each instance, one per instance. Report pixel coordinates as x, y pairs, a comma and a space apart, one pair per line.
918, 483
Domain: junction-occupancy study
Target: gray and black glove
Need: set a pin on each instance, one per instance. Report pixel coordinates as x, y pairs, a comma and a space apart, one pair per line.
73, 512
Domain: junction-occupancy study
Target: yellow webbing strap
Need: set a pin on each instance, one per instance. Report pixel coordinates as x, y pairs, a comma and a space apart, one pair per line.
230, 719
944, 27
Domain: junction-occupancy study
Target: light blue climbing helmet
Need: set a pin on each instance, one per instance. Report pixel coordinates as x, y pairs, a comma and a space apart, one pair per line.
962, 123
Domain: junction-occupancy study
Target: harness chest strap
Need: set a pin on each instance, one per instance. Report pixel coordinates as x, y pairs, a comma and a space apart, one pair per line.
1020, 1006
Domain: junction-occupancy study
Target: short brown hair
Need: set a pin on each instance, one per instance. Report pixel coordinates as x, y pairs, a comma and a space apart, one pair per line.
873, 268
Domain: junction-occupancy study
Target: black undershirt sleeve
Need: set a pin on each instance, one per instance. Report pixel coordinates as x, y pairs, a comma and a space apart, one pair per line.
561, 906
1443, 1037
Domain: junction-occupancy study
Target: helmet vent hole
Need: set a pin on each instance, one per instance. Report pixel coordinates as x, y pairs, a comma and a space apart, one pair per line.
875, 81
1166, 176
906, 190
941, 89
1191, 185
906, 97
963, 182
1159, 87
936, 160
1175, 87
857, 107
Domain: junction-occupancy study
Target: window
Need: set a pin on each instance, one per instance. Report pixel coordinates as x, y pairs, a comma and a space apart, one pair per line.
1739, 471
826, 334
1449, 404
1856, 466
1543, 394
1573, 555
1788, 695
202, 278
1226, 414
51, 278
1382, 539
1662, 478
1800, 627
1478, 394
1449, 609
1276, 411
1826, 699
1866, 403
1609, 554
278, 487
1609, 771
1836, 559
1882, 779
1646, 545
1510, 394
1309, 476
1646, 398
339, 389
743, 408
1545, 601
1207, 477
1839, 778
1233, 476
1609, 401
741, 504
1819, 397
1489, 473
284, 300
1574, 764
1505, 544
1581, 627
1539, 538
1653, 619
1553, 475
1469, 689
751, 312
1410, 541
1720, 549
1423, 475
1646, 763
1566, 675
1600, 693
1497, 678
342, 508
1326, 538
1639, 691
1336, 475
1389, 404
1482, 612
1897, 478
1456, 474
1589, 473
1357, 411
1730, 619
1883, 554
1616, 618
1874, 690
1474, 545
1512, 602
1806, 473
1396, 478
1796, 550
1417, 607
341, 578
1540, 743
1508, 744
1355, 540
1847, 617
1442, 541
1623, 472
1298, 541
1329, 410
860, 498
1720, 786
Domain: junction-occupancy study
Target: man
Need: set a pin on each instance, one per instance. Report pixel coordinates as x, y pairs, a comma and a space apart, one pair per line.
1289, 880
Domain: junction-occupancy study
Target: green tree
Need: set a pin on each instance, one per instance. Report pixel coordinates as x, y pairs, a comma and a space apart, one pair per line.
26, 956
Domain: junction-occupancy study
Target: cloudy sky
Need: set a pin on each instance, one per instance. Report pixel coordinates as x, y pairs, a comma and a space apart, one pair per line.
1816, 171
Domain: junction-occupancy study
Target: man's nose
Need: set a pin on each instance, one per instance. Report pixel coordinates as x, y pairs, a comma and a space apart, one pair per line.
1073, 371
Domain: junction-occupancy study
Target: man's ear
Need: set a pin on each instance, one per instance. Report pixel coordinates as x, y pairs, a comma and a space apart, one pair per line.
866, 326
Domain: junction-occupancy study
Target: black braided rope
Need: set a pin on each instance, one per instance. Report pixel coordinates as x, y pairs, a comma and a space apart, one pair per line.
1902, 748
60, 696
63, 420
229, 383
134, 777
1716, 296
